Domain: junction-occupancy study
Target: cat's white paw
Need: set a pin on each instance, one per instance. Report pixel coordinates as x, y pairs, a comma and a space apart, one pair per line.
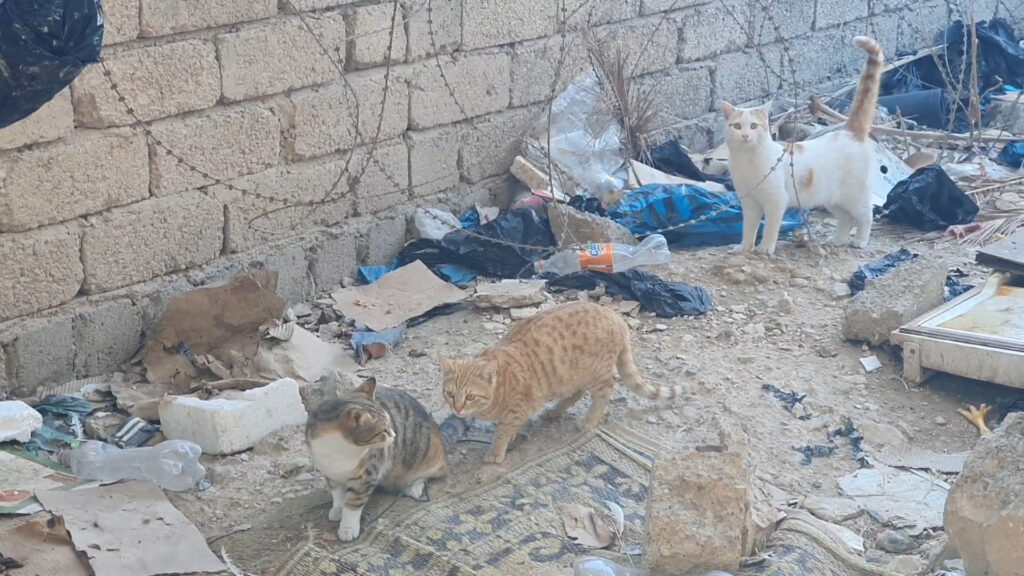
493, 458
738, 249
335, 514
417, 491
348, 533
859, 244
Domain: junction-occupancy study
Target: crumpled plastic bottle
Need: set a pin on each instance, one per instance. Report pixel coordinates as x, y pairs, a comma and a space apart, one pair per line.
609, 257
594, 566
172, 464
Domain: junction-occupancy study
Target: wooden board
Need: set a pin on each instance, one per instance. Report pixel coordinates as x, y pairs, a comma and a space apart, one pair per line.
1006, 255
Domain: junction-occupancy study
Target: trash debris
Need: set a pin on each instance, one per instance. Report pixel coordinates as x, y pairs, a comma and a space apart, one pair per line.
397, 297
221, 322
24, 474
608, 257
18, 421
303, 357
790, 400
897, 297
573, 228
63, 423
1006, 255
509, 294
586, 527
983, 514
664, 299
641, 174
595, 566
41, 543
108, 521
915, 498
673, 158
928, 200
804, 545
1012, 154
433, 224
44, 47
515, 233
871, 364
375, 345
812, 451
433, 254
235, 420
955, 287
172, 464
660, 209
529, 174
878, 268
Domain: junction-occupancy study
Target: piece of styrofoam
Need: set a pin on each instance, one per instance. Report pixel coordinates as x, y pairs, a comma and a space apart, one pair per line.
18, 421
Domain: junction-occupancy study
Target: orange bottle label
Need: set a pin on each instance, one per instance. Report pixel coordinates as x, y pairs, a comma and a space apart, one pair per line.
598, 257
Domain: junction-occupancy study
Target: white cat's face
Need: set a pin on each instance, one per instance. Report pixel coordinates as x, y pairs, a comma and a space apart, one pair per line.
745, 127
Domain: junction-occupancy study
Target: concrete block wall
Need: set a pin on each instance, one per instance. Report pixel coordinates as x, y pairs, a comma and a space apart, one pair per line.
227, 112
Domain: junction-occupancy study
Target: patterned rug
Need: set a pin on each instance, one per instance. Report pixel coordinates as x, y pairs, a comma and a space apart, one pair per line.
512, 525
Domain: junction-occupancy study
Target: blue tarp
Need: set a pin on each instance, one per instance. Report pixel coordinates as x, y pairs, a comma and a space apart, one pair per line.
1012, 154
656, 207
43, 47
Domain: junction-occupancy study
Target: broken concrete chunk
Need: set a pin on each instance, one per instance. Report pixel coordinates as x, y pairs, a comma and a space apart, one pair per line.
18, 421
891, 301
234, 421
710, 490
573, 227
512, 294
915, 497
835, 510
984, 515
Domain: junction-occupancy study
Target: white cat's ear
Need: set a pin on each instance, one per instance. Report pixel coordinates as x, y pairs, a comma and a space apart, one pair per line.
368, 386
766, 109
727, 109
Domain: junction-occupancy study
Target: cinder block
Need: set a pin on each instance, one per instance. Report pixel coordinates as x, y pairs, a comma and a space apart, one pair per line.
782, 20
41, 269
5, 382
40, 352
648, 7
740, 77
156, 81
497, 22
18, 421
437, 31
682, 93
476, 84
234, 421
120, 21
289, 260
647, 44
433, 160
386, 238
261, 214
489, 144
325, 116
380, 181
924, 25
890, 301
834, 12
370, 31
817, 57
79, 175
583, 14
107, 334
54, 120
542, 69
334, 258
281, 54
151, 238
706, 31
162, 17
224, 143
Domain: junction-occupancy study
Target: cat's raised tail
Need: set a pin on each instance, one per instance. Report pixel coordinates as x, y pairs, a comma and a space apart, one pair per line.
631, 378
862, 113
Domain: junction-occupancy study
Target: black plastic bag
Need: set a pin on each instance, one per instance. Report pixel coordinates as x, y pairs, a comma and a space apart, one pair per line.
588, 204
671, 157
877, 268
665, 299
43, 47
929, 200
514, 232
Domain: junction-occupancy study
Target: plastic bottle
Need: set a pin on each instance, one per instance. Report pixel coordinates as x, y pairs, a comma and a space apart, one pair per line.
610, 257
595, 566
172, 464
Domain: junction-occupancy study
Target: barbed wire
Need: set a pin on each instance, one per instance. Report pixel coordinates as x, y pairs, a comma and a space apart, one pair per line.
787, 67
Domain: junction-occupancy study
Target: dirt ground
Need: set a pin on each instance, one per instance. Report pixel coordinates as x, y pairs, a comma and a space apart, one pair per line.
776, 321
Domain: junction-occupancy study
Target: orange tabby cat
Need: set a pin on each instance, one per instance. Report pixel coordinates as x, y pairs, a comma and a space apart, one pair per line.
560, 353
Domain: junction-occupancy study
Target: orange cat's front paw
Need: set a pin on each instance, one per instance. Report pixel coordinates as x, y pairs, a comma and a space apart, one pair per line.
493, 457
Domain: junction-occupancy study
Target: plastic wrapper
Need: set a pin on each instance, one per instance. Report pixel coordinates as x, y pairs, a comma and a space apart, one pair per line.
588, 150
929, 200
1012, 154
43, 47
877, 268
655, 208
671, 157
664, 299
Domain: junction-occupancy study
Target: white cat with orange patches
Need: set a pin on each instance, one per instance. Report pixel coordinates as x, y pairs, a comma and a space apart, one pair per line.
832, 172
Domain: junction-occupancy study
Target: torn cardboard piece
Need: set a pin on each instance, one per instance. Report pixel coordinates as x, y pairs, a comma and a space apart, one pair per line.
22, 474
303, 357
396, 297
41, 543
131, 529
220, 322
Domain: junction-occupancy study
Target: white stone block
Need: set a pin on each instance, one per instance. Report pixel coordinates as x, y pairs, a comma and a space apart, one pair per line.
18, 420
234, 421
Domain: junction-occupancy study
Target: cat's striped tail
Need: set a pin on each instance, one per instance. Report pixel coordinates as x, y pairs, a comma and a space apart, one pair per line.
631, 378
862, 113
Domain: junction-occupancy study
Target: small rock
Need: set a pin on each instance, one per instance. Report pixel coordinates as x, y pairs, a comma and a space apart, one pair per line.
834, 510
347, 282
522, 313
841, 290
799, 282
417, 353
474, 349
826, 350
895, 541
494, 326
785, 305
940, 421
305, 477
660, 327
513, 294
909, 565
913, 288
572, 227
